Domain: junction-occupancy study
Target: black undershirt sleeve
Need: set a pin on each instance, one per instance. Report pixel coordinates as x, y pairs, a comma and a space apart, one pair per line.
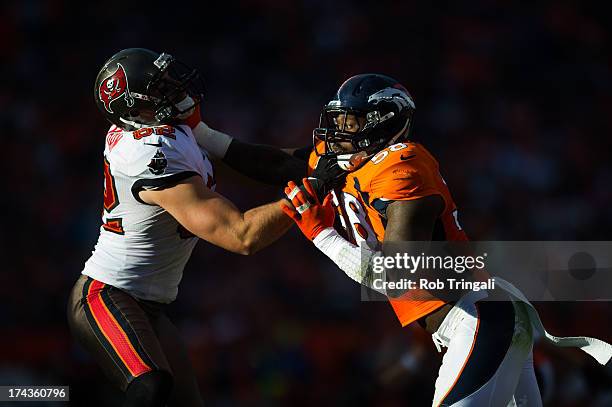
159, 183
266, 164
303, 153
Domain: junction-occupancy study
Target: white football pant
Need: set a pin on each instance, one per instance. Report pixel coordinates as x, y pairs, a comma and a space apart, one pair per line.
489, 357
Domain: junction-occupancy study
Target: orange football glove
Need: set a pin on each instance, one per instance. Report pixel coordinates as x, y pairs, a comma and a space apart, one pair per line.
194, 118
310, 215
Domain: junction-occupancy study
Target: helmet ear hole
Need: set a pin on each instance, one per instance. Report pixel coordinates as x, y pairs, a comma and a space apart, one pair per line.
134, 113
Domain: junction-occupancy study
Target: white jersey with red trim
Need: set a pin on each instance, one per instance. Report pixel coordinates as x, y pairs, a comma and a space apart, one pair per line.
142, 249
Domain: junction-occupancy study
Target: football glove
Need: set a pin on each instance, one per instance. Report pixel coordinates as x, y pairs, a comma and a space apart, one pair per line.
329, 176
311, 216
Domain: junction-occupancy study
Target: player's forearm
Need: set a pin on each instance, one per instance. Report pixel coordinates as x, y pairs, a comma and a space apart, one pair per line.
356, 262
223, 225
359, 263
267, 164
219, 222
263, 226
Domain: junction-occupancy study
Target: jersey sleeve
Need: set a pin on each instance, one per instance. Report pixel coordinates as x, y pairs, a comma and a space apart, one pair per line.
313, 159
162, 163
402, 180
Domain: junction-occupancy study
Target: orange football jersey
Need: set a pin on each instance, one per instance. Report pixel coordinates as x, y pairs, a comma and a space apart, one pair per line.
403, 171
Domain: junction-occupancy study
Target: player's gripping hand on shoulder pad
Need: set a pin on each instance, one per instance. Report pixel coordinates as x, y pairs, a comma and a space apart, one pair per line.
306, 210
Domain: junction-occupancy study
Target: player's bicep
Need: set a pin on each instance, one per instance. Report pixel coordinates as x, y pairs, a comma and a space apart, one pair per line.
410, 226
203, 212
413, 220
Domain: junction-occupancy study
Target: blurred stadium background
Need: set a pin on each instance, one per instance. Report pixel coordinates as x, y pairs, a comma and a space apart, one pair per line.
514, 99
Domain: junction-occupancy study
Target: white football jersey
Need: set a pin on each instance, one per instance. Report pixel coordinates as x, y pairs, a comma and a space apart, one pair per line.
141, 248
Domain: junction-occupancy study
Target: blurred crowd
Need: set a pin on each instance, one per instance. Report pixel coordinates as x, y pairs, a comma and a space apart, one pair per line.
514, 99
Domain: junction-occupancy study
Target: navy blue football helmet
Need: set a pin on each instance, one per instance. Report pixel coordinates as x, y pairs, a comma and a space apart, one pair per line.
384, 109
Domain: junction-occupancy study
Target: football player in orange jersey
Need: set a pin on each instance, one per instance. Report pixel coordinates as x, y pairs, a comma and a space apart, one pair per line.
385, 189
394, 193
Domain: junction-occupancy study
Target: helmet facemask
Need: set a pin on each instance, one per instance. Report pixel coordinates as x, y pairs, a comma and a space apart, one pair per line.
176, 89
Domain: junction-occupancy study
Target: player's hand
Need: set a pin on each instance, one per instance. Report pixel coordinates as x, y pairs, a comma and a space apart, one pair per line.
310, 215
330, 175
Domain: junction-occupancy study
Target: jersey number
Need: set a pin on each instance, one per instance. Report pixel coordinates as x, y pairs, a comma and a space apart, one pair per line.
354, 220
378, 158
111, 201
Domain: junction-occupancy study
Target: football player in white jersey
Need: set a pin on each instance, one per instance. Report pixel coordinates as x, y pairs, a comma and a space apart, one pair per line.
158, 200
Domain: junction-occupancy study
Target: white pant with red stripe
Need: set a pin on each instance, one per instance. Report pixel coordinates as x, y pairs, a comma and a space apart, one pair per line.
489, 357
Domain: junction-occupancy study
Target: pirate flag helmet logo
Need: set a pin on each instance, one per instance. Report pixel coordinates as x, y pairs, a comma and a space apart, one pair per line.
115, 87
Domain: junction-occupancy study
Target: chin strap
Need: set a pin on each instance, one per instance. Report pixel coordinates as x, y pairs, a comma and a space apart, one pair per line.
137, 125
